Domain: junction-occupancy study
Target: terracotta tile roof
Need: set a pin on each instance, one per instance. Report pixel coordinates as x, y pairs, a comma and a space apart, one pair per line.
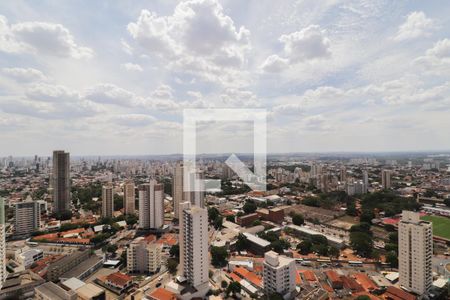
365, 281
162, 294
119, 279
248, 275
235, 277
351, 284
327, 288
308, 274
397, 294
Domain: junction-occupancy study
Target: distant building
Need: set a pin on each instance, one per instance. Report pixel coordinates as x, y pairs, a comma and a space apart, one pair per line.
61, 181
51, 291
247, 220
107, 201
177, 189
28, 257
415, 248
63, 265
386, 179
279, 274
129, 196
27, 217
144, 256
151, 205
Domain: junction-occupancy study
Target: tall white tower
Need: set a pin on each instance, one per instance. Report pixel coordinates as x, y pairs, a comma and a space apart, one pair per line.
415, 250
194, 256
151, 205
177, 189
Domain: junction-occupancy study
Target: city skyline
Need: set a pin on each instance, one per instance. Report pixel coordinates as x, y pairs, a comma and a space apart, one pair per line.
72, 79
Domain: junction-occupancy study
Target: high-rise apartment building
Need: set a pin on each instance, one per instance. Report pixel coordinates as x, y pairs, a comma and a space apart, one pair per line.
129, 196
27, 217
3, 272
343, 175
107, 201
196, 195
144, 256
415, 250
61, 181
151, 205
365, 181
194, 257
278, 274
177, 189
386, 179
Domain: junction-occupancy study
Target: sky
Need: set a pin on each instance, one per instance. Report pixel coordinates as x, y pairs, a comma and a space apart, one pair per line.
114, 77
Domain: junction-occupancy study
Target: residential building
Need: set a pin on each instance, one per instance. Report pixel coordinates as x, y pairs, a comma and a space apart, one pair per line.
118, 282
365, 181
107, 201
61, 181
28, 257
194, 254
3, 272
63, 265
52, 291
27, 217
415, 250
20, 285
151, 205
279, 274
129, 196
177, 189
144, 256
386, 179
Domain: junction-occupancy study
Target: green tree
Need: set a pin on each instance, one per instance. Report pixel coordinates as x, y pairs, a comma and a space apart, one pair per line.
305, 247
241, 243
392, 259
230, 219
362, 243
118, 202
175, 251
224, 284
298, 219
234, 288
219, 256
333, 252
172, 265
363, 297
249, 207
447, 202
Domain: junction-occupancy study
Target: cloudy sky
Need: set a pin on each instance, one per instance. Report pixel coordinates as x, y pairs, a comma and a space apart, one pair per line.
113, 77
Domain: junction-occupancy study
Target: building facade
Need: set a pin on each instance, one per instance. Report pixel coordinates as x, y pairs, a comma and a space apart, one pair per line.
61, 181
386, 179
107, 201
194, 254
143, 256
415, 250
27, 217
3, 272
151, 205
279, 274
129, 196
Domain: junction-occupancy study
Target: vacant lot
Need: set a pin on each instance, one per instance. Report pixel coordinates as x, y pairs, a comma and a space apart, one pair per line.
441, 225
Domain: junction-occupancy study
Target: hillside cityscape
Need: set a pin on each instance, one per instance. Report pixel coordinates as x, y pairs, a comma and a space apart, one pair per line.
370, 226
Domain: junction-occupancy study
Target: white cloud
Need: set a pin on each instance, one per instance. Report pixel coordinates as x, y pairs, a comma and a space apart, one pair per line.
198, 38
274, 64
436, 59
40, 38
111, 94
163, 91
134, 120
416, 25
132, 67
24, 74
51, 93
307, 45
